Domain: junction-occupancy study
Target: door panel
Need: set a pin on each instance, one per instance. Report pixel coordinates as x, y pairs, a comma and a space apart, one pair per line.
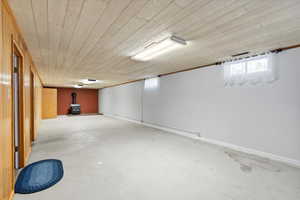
49, 103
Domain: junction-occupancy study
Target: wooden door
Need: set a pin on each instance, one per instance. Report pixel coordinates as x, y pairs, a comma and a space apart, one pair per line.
49, 103
6, 136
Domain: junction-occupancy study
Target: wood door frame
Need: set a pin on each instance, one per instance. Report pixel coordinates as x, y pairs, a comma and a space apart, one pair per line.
17, 50
32, 108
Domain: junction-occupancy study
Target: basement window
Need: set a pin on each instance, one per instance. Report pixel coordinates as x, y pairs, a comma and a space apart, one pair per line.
237, 69
254, 70
257, 65
151, 83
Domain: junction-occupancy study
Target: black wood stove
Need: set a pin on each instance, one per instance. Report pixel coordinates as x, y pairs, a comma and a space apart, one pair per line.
74, 108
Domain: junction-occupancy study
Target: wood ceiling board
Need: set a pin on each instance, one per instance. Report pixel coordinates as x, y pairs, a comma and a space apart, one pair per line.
72, 17
56, 22
110, 16
122, 21
40, 17
25, 17
75, 39
91, 15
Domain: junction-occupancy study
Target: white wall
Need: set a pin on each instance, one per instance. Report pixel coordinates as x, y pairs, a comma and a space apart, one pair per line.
264, 118
123, 101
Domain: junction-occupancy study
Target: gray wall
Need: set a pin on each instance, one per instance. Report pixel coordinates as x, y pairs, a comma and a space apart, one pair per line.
122, 101
264, 118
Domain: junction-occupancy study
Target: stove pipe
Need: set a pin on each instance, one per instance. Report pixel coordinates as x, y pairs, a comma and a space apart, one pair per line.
73, 97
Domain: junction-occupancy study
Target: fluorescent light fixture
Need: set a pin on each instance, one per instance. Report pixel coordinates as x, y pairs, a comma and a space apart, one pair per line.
159, 48
90, 81
151, 83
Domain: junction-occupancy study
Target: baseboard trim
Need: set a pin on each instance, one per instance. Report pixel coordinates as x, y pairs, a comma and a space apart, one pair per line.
12, 195
289, 161
123, 118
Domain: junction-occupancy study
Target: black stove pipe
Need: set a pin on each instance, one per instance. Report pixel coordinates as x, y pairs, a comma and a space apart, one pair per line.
74, 95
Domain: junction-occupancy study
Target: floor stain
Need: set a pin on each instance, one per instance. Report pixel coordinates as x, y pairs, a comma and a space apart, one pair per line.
245, 168
250, 162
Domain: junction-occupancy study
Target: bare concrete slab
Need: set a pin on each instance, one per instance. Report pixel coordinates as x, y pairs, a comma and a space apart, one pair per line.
112, 159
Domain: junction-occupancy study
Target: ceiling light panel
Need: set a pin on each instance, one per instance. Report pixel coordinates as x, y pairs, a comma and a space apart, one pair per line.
158, 48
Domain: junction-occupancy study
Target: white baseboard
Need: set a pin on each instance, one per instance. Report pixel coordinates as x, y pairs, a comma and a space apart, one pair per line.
122, 118
289, 161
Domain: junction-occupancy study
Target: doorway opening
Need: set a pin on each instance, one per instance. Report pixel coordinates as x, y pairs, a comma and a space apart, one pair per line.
32, 110
18, 113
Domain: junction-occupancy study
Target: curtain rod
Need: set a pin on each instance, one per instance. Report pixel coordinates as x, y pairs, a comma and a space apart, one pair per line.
250, 56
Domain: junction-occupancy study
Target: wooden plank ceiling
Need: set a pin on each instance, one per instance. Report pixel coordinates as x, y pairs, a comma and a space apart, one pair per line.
77, 39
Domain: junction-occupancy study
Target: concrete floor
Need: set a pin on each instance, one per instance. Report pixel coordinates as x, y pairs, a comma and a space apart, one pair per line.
111, 159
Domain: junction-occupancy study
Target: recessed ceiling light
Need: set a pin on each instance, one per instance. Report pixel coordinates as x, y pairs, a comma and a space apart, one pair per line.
90, 81
159, 48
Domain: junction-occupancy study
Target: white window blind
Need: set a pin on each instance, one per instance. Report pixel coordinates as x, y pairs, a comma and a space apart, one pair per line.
151, 83
254, 70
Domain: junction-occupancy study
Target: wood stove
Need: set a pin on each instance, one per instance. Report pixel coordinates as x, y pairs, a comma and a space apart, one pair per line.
74, 108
